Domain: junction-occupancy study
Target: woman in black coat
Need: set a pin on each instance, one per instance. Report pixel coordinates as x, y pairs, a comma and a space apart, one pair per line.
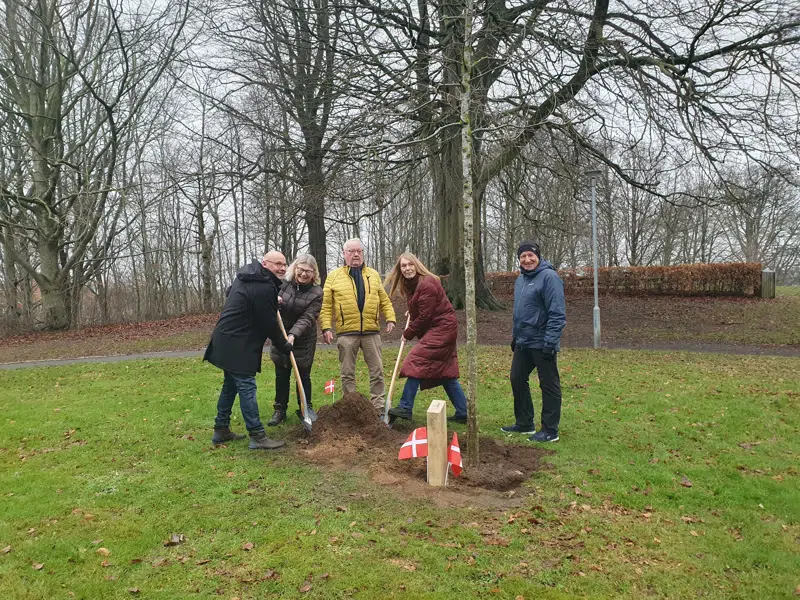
302, 300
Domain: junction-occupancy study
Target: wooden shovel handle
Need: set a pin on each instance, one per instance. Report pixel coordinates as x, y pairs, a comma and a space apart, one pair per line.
394, 374
295, 368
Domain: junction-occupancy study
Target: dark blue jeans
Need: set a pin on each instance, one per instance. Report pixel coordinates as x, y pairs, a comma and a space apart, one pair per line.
451, 387
524, 362
245, 386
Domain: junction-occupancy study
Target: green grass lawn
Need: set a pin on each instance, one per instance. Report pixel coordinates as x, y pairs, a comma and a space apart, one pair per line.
676, 477
787, 290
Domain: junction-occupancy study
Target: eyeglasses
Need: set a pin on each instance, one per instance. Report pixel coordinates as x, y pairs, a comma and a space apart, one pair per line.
277, 264
357, 251
301, 271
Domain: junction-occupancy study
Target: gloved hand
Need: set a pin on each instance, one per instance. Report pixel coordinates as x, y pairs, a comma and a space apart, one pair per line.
287, 348
549, 354
513, 345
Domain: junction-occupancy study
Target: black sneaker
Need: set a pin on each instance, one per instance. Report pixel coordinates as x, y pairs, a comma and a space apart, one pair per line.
517, 429
400, 413
544, 436
457, 419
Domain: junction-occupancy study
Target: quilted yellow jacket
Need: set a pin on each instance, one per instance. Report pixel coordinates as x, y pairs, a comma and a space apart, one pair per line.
340, 306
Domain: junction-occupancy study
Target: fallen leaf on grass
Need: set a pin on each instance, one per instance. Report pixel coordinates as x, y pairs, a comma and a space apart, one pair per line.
175, 539
247, 546
103, 551
341, 508
694, 533
686, 482
408, 566
5, 550
105, 563
203, 561
497, 541
306, 587
133, 590
271, 574
38, 566
160, 562
136, 561
748, 445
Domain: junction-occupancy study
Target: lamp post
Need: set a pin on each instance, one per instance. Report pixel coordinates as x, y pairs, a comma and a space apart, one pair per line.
593, 174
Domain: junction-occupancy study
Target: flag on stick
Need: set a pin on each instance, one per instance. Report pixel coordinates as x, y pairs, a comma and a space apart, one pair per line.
416, 445
330, 386
454, 456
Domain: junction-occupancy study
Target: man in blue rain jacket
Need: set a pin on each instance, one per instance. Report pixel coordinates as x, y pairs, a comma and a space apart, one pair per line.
539, 319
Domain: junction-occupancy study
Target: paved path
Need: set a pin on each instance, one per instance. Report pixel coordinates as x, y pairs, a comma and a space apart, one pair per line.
793, 351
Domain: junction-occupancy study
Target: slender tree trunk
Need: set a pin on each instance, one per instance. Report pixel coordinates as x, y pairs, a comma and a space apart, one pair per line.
11, 313
469, 241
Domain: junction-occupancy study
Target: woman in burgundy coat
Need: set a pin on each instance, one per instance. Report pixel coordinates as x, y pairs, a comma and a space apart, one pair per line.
434, 360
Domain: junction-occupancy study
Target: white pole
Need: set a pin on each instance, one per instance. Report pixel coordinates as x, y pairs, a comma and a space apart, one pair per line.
596, 311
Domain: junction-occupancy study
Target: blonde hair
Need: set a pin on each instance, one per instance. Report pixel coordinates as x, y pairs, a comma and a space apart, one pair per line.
303, 259
394, 281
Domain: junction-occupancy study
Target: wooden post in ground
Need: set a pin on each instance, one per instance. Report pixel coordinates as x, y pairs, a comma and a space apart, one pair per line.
437, 443
767, 283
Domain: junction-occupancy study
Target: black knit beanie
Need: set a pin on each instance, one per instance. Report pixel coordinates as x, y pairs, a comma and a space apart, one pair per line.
529, 245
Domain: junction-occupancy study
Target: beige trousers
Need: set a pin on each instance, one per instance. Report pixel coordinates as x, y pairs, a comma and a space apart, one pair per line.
370, 345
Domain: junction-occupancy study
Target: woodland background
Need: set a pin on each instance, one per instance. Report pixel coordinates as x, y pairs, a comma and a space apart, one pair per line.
149, 149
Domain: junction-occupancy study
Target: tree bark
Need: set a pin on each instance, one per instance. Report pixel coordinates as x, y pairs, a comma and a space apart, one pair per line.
469, 240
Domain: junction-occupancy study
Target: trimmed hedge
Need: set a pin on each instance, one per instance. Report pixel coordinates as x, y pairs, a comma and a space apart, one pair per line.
715, 279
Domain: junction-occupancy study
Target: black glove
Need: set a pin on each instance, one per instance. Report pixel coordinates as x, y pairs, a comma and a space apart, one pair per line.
549, 354
513, 345
287, 348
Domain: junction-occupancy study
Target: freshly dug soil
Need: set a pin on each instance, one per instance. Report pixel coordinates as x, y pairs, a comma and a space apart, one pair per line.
349, 434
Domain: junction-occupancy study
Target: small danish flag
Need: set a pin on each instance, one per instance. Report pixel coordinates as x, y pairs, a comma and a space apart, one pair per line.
454, 456
416, 445
330, 386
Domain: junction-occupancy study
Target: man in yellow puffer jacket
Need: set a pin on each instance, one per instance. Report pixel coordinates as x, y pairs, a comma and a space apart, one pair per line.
352, 299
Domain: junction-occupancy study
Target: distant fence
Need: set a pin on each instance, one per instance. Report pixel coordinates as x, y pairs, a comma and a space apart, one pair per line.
715, 279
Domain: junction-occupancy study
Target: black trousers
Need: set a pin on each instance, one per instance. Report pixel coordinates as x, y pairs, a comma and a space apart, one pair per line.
282, 378
526, 360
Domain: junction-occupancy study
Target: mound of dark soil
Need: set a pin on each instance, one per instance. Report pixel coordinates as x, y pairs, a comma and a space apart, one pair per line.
348, 434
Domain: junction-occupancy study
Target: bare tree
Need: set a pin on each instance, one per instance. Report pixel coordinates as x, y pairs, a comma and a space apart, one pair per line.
75, 76
667, 72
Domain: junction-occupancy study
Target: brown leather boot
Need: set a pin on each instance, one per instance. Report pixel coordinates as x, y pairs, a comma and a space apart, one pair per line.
260, 441
224, 434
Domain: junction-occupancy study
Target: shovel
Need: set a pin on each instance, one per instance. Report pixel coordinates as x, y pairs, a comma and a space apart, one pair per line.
394, 375
303, 404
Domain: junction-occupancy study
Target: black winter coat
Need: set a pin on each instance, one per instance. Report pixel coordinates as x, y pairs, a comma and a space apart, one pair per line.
248, 318
300, 310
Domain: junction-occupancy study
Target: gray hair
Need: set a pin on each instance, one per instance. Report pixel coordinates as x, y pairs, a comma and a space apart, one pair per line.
303, 259
352, 240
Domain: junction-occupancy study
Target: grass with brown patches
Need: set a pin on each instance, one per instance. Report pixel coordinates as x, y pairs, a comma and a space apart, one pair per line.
676, 476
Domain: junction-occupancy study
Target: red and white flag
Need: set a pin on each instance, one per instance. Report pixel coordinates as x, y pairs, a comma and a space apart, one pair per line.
416, 445
454, 456
330, 386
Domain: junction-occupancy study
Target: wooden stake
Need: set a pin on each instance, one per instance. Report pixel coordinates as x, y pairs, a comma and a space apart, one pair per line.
437, 443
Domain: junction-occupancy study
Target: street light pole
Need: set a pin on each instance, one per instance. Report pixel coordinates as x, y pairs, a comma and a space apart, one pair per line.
593, 174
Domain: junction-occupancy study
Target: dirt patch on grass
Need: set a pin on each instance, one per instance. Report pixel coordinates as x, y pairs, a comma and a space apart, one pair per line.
348, 434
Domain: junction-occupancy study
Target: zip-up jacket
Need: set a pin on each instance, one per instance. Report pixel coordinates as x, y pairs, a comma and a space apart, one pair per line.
539, 308
340, 303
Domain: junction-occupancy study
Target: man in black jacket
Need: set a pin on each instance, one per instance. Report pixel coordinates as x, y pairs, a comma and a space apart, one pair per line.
248, 318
